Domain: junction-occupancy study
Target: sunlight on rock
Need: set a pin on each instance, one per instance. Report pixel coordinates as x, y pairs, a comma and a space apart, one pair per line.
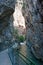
18, 17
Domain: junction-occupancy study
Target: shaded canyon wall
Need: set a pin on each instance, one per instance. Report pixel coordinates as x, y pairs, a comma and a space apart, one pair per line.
6, 23
33, 14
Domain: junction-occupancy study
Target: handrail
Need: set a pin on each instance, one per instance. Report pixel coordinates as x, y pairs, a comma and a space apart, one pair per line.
10, 59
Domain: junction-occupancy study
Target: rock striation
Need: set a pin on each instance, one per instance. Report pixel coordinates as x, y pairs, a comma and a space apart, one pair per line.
33, 14
6, 23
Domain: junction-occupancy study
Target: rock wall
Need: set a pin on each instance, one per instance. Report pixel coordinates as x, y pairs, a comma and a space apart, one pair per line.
33, 14
6, 23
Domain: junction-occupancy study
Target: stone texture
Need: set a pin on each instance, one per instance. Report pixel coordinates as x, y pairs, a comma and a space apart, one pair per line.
6, 23
8, 3
33, 13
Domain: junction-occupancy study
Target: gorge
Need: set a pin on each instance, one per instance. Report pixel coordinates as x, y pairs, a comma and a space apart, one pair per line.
29, 14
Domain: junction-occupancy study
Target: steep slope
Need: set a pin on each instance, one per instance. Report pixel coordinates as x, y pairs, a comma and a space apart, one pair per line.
6, 23
33, 13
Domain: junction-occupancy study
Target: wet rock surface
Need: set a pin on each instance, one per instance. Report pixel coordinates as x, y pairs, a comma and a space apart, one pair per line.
33, 13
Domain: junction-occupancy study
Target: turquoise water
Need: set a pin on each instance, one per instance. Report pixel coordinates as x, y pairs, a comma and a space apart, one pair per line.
23, 56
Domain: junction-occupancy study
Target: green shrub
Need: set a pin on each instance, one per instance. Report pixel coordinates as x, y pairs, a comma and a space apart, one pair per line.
15, 31
21, 38
18, 38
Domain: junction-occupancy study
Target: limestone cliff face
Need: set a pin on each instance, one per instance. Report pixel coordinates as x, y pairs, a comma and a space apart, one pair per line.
19, 21
6, 23
33, 13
